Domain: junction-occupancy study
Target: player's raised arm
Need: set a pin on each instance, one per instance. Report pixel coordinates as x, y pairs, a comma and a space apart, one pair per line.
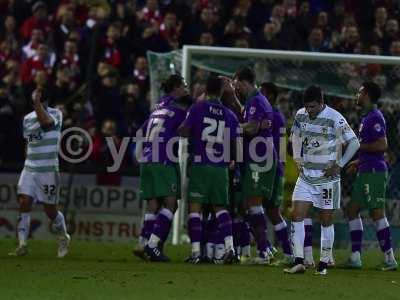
229, 97
236, 145
45, 120
257, 120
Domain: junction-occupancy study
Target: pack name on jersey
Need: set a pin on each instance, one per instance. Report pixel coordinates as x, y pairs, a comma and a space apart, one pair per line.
163, 112
216, 111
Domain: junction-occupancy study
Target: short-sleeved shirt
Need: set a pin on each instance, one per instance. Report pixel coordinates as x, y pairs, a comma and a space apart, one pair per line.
372, 128
278, 132
212, 128
160, 134
321, 138
257, 108
42, 143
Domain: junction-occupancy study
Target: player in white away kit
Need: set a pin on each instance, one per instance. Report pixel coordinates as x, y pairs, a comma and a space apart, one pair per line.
39, 179
317, 135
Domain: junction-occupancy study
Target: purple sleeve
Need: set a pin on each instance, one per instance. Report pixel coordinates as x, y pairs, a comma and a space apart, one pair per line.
191, 117
374, 128
233, 126
255, 111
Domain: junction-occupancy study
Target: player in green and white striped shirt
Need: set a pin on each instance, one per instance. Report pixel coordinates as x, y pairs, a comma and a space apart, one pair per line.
39, 179
317, 135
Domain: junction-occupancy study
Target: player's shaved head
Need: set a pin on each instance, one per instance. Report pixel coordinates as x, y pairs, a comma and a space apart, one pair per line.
245, 74
172, 82
214, 86
372, 90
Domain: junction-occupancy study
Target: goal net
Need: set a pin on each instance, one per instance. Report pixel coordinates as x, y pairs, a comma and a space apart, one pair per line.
339, 75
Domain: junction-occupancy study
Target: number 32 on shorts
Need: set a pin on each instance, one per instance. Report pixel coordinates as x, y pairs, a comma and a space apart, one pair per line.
49, 189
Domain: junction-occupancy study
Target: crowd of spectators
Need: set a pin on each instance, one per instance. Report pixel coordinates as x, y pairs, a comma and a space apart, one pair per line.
91, 54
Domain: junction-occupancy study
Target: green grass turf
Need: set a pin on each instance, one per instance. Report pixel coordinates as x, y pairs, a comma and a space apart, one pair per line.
109, 271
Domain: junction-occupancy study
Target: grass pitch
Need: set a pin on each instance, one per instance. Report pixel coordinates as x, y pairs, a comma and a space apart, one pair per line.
109, 271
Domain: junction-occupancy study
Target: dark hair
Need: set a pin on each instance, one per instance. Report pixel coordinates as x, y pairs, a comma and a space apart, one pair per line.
373, 90
271, 88
312, 93
172, 82
247, 74
214, 85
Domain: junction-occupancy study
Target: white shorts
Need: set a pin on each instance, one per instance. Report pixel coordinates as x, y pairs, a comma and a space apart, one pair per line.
323, 196
42, 187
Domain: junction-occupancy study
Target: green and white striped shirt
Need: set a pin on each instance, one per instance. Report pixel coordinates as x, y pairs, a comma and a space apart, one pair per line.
43, 144
322, 139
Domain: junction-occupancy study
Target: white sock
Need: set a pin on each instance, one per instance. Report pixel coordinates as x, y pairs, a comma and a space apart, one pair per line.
256, 210
356, 224
23, 227
389, 256
308, 254
153, 241
355, 256
327, 239
59, 224
196, 248
280, 226
246, 250
307, 221
210, 248
150, 217
219, 251
298, 235
379, 225
229, 243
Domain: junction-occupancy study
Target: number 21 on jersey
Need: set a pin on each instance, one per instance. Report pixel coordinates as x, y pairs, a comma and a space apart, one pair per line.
214, 130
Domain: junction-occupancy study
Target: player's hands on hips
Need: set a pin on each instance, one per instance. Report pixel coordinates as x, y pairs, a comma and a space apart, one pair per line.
332, 171
352, 167
299, 164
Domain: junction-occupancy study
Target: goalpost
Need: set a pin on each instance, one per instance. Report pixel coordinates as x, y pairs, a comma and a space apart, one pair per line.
339, 75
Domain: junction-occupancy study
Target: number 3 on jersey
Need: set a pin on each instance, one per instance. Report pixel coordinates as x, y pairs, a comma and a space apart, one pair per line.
214, 131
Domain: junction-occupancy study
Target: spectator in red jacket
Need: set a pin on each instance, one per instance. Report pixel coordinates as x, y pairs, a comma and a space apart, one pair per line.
39, 19
70, 59
170, 30
111, 53
101, 154
43, 60
151, 13
141, 74
29, 50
